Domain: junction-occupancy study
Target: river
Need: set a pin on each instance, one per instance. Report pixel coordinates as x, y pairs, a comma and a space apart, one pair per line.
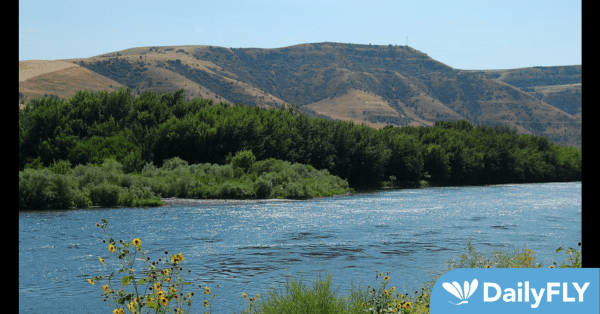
251, 247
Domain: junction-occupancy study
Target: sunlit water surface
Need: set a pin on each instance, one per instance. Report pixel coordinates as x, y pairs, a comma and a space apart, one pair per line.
250, 248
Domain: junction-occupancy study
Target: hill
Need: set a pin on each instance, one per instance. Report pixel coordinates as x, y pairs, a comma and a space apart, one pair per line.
376, 85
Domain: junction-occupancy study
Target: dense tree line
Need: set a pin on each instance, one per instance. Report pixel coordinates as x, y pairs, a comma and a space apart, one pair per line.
91, 127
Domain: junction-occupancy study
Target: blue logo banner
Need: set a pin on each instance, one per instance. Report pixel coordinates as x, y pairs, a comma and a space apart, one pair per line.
517, 290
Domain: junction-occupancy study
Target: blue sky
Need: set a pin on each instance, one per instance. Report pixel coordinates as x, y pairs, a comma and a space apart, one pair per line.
465, 34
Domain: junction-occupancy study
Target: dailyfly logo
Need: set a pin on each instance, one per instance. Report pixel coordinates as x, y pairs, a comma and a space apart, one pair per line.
525, 290
454, 288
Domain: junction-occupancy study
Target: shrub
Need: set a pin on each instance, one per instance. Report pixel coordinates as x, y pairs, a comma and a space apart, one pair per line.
42, 189
105, 194
262, 188
243, 159
174, 163
301, 298
61, 167
235, 190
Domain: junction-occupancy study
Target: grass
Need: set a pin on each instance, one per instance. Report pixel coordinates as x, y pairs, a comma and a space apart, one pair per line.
318, 297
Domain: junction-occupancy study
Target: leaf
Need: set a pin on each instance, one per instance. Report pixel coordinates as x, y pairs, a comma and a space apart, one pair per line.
474, 284
143, 281
559, 249
105, 221
151, 304
125, 280
450, 288
187, 283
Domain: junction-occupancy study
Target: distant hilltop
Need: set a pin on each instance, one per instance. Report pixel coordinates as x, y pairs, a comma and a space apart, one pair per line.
371, 84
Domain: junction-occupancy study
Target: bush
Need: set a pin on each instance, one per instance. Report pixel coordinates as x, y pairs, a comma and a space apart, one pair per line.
174, 163
301, 298
81, 198
105, 194
262, 188
243, 159
61, 167
42, 189
235, 190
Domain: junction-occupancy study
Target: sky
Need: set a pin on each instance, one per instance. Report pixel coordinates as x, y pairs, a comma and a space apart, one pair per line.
463, 34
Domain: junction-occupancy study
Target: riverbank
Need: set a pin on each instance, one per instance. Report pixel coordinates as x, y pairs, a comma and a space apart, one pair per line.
188, 201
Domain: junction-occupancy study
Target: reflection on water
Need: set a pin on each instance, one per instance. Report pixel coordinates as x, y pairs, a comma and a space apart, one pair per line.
251, 247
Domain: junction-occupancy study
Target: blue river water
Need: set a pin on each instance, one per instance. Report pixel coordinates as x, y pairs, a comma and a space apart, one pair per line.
252, 247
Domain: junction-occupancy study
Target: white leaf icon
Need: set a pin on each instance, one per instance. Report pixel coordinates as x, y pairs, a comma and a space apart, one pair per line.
473, 288
457, 286
466, 290
450, 288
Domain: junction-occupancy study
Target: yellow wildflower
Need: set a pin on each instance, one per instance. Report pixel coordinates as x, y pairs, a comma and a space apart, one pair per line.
393, 289
244, 294
258, 296
136, 241
91, 281
101, 260
164, 301
407, 305
105, 287
386, 278
111, 248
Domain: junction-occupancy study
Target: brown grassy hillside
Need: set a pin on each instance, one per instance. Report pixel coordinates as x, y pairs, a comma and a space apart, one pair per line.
377, 85
64, 79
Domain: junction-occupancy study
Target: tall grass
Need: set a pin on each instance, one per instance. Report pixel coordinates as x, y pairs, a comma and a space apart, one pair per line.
298, 297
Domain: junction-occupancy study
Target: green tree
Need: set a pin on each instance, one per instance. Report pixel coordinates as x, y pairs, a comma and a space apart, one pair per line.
243, 159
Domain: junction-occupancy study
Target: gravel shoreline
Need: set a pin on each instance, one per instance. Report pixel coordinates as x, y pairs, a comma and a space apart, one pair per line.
186, 201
